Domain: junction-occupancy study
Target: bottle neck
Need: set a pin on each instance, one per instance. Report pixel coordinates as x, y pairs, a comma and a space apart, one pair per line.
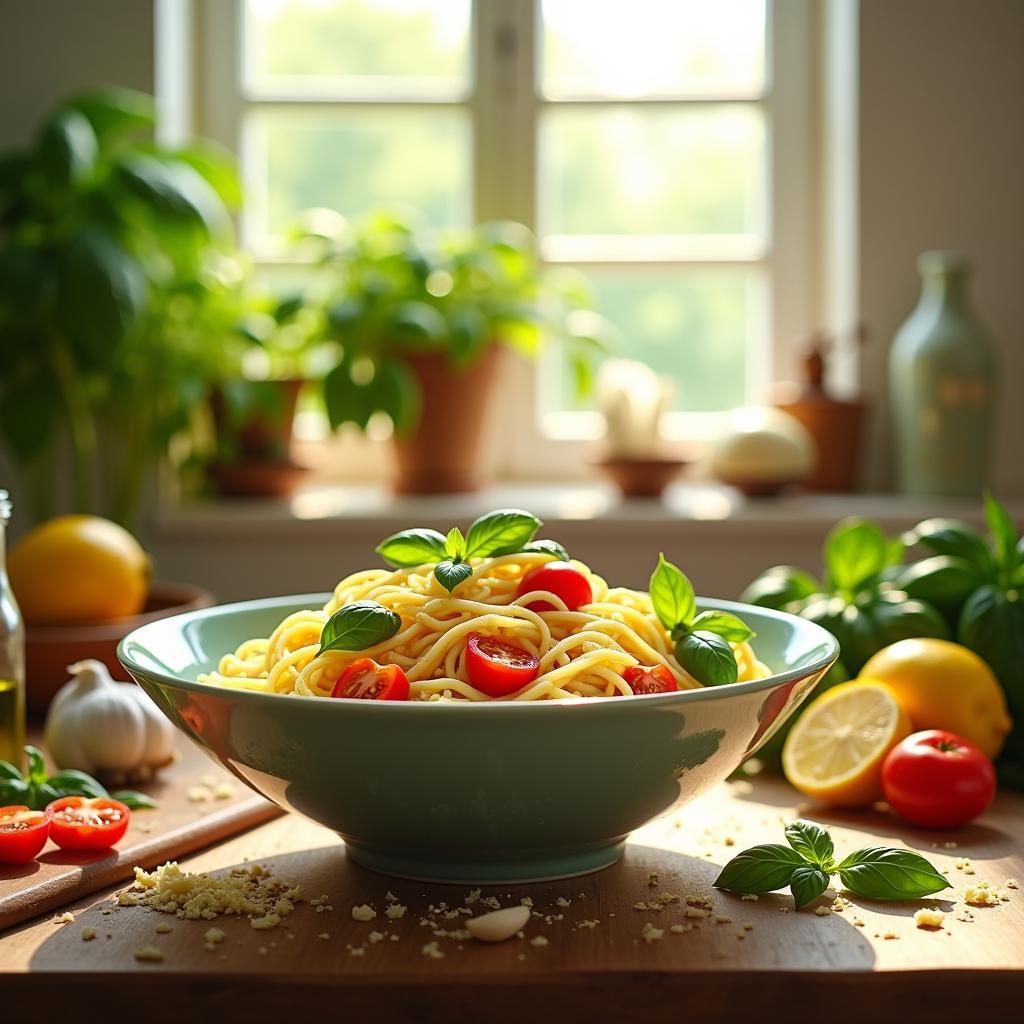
944, 287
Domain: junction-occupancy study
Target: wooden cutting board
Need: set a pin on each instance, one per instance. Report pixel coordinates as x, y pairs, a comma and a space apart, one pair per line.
176, 827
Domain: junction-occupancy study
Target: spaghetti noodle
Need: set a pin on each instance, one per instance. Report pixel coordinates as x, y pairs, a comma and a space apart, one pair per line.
581, 653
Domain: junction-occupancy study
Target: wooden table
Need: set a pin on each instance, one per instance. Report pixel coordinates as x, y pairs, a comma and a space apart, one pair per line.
748, 960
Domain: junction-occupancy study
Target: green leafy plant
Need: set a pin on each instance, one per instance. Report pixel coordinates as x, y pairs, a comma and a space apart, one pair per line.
117, 282
358, 626
502, 532
702, 640
36, 788
391, 289
807, 864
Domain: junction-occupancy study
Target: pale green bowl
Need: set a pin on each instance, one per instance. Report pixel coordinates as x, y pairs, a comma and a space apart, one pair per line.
472, 792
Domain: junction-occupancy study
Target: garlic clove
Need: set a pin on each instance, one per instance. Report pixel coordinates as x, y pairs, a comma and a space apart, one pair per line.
498, 925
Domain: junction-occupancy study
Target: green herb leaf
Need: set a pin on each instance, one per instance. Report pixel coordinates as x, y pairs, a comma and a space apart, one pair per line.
708, 658
884, 873
855, 551
547, 547
36, 766
358, 626
502, 532
412, 547
9, 771
451, 574
779, 586
133, 800
725, 624
71, 782
671, 595
952, 537
13, 791
812, 842
455, 544
807, 884
760, 869
1004, 534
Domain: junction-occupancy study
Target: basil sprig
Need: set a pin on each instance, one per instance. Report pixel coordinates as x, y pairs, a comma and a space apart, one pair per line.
357, 626
35, 789
807, 864
502, 532
702, 640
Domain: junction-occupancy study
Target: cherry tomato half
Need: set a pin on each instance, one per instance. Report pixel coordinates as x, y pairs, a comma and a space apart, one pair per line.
937, 779
497, 668
366, 680
23, 833
81, 823
650, 679
560, 579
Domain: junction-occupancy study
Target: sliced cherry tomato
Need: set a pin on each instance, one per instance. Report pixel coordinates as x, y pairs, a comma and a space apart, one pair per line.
560, 579
497, 668
937, 779
80, 823
650, 679
366, 680
23, 833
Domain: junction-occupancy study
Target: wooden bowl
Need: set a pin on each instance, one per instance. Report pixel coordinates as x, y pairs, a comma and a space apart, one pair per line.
641, 478
50, 649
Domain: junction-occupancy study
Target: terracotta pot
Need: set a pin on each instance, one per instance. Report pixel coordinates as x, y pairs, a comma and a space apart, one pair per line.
836, 429
50, 649
641, 478
444, 454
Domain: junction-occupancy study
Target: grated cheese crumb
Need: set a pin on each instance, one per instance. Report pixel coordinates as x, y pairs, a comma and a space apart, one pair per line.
163, 928
929, 918
587, 924
640, 905
324, 935
678, 929
1012, 883
199, 794
696, 912
963, 914
653, 879
433, 951
526, 902
357, 951
149, 954
376, 936
214, 935
223, 791
888, 936
822, 911
395, 910
650, 933
722, 919
858, 922
262, 951
66, 918
364, 912
749, 897
538, 940
563, 902
981, 895
88, 934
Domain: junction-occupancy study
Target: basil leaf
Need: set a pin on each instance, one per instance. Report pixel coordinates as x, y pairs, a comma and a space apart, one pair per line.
812, 842
807, 884
412, 547
13, 791
942, 580
451, 574
502, 532
357, 626
1004, 534
671, 595
455, 544
36, 767
547, 547
8, 771
725, 624
779, 586
884, 873
708, 658
72, 782
37, 796
952, 537
760, 869
133, 800
855, 551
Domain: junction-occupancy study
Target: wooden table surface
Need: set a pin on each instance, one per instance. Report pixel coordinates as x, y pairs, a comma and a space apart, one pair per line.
746, 958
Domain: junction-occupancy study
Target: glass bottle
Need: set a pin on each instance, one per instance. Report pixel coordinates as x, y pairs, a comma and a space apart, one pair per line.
942, 368
12, 658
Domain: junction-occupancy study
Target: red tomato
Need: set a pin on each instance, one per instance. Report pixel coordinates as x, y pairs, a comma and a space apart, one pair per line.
366, 680
650, 679
80, 823
560, 579
23, 833
937, 779
498, 668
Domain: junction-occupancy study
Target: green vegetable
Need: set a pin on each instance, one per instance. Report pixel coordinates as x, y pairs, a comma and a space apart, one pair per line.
412, 547
501, 533
133, 800
547, 547
807, 864
36, 789
702, 640
358, 626
451, 574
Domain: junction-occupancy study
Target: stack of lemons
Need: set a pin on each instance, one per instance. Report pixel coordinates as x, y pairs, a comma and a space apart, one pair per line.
836, 749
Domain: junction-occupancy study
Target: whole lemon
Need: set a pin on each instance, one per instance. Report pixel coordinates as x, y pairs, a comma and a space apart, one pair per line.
78, 569
943, 685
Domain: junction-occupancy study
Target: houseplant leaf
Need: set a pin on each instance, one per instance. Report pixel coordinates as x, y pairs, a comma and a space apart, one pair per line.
114, 112
174, 191
67, 149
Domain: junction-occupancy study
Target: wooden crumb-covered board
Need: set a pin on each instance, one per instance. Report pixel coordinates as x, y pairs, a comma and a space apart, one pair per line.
198, 803
591, 952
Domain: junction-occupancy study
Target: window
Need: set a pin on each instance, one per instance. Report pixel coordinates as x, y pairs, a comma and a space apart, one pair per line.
661, 148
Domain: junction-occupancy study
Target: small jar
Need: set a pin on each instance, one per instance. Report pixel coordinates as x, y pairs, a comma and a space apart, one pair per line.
12, 658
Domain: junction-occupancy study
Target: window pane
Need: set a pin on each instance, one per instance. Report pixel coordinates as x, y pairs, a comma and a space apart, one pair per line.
692, 170
358, 45
696, 327
631, 48
352, 160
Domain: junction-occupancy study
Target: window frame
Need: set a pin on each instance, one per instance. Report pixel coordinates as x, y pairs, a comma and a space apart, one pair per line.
504, 104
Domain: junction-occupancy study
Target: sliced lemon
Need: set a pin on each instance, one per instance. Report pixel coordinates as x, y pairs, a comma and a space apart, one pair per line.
835, 751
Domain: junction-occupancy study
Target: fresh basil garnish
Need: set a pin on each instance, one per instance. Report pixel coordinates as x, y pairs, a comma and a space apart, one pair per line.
451, 574
412, 547
708, 658
671, 595
72, 782
547, 547
133, 800
1004, 535
503, 532
358, 626
728, 626
455, 544
855, 551
883, 873
806, 865
760, 869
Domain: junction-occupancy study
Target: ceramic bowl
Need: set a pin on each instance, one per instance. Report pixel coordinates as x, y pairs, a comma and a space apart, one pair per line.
496, 792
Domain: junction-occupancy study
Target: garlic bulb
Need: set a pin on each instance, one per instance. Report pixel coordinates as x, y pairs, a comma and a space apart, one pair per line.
108, 729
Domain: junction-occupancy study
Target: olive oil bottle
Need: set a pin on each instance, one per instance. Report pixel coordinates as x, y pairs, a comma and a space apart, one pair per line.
12, 658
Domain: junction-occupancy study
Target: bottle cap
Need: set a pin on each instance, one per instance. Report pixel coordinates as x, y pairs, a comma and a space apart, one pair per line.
5, 506
943, 261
